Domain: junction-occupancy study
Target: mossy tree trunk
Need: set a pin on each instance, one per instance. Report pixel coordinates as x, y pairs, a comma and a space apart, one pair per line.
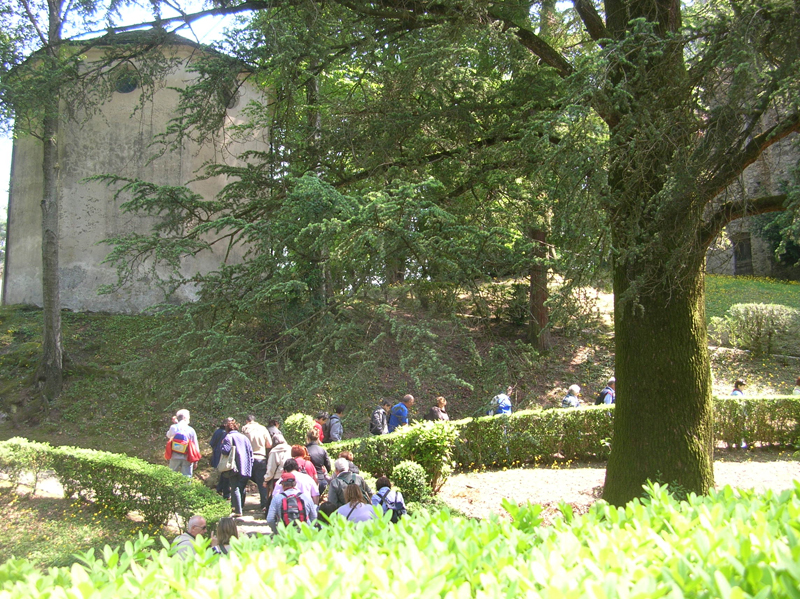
663, 418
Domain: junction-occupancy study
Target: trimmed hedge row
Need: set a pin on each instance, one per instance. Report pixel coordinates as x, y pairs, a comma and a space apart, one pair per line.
539, 435
119, 483
770, 420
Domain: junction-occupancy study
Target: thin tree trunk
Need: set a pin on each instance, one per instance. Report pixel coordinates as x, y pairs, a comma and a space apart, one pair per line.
50, 369
538, 333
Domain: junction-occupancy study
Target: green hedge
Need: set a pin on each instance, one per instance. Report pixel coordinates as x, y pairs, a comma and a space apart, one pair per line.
771, 420
540, 435
117, 482
729, 544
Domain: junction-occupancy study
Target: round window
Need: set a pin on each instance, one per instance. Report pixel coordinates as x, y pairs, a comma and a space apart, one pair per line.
126, 82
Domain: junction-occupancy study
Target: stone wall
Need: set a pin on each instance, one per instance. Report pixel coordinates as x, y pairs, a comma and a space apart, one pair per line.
118, 139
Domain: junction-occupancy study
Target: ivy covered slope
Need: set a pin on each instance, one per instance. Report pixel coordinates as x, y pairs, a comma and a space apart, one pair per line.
726, 545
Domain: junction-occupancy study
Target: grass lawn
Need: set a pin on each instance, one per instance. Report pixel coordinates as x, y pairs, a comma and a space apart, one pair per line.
50, 531
724, 291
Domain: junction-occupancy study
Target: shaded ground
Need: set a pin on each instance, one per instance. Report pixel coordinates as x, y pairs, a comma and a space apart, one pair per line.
479, 494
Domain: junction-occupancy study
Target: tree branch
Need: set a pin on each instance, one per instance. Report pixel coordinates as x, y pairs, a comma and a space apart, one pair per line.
731, 168
591, 19
730, 211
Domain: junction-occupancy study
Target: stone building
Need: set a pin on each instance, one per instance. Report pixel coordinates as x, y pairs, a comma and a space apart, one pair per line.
741, 251
117, 138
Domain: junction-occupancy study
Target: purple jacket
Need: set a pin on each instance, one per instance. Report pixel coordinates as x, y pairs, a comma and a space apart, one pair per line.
244, 452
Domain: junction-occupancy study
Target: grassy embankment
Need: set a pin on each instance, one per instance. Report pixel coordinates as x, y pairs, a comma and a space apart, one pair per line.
115, 408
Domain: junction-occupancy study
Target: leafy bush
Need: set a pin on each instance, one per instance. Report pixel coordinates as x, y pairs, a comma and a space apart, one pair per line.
728, 544
119, 483
411, 479
295, 428
429, 444
761, 328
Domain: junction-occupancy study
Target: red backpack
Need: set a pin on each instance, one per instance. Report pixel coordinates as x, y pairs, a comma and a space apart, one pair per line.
292, 509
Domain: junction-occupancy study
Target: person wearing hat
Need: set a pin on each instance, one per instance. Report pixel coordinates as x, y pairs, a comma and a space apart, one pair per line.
737, 388
290, 505
609, 393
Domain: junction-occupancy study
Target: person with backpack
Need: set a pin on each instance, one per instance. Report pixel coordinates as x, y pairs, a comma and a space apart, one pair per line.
290, 506
221, 541
303, 482
388, 499
357, 508
180, 437
335, 430
379, 422
343, 479
609, 393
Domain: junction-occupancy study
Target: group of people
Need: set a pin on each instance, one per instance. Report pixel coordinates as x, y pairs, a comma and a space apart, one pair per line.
349, 497
387, 417
291, 480
607, 396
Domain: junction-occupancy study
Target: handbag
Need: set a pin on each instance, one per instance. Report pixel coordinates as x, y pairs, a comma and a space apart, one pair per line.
168, 450
227, 461
193, 454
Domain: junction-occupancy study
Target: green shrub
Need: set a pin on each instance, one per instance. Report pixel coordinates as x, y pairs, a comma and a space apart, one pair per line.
728, 544
119, 483
429, 444
412, 481
761, 328
532, 435
295, 427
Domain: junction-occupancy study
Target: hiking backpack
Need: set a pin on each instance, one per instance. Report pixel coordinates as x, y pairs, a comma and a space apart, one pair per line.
397, 512
180, 443
293, 510
601, 398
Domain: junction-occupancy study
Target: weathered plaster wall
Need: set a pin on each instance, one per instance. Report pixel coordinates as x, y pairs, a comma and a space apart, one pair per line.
116, 140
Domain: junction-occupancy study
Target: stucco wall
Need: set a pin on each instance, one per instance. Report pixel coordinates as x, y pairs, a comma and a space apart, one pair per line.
115, 140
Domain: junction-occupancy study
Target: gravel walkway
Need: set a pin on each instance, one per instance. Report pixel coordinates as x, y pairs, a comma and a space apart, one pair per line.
479, 494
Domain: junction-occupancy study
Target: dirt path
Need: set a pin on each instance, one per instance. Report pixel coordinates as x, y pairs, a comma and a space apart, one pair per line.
479, 494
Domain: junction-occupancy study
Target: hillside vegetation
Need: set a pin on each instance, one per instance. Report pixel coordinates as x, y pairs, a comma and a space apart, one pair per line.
122, 384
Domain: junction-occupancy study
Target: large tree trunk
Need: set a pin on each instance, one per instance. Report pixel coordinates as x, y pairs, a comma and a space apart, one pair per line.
50, 369
663, 417
663, 422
